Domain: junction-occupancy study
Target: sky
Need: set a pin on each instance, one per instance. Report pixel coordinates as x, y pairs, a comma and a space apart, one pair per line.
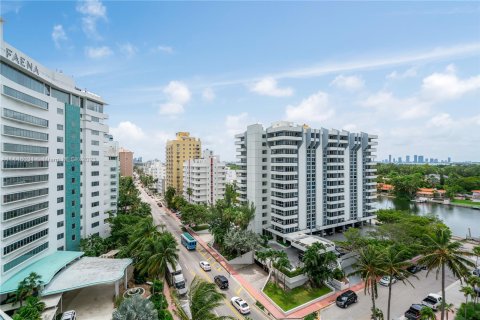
407, 71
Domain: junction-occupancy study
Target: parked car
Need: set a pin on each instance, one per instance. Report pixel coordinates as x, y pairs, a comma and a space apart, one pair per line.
69, 315
433, 301
240, 305
476, 272
205, 266
414, 268
347, 298
159, 204
414, 312
385, 281
221, 281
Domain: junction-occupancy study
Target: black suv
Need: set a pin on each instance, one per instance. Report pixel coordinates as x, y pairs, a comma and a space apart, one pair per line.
221, 282
414, 312
347, 298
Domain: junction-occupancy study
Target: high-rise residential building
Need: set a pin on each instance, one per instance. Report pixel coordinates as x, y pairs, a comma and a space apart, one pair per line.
204, 179
389, 158
304, 179
230, 176
126, 162
449, 160
399, 159
157, 170
420, 159
182, 148
407, 159
59, 165
415, 158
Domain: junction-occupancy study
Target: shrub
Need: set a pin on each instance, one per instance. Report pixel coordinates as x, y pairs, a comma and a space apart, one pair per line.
258, 304
473, 312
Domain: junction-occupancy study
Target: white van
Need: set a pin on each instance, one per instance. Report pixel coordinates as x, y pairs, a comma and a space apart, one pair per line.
69, 315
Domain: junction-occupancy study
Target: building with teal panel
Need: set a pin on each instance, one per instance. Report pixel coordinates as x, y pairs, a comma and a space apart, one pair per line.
72, 177
59, 164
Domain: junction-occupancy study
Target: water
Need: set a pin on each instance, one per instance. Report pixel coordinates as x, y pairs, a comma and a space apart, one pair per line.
458, 219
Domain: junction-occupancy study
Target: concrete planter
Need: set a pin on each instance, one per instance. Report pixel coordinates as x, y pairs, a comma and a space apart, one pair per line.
339, 285
293, 282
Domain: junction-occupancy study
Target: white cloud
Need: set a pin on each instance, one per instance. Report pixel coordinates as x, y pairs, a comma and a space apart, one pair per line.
208, 94
269, 87
351, 83
164, 49
443, 120
58, 35
409, 73
236, 123
407, 108
127, 131
314, 108
92, 11
350, 127
178, 95
98, 52
444, 86
128, 49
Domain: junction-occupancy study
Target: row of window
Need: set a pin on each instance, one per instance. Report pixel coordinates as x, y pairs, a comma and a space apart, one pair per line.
10, 181
21, 78
24, 226
25, 118
23, 148
7, 215
24, 257
25, 97
23, 242
23, 133
13, 197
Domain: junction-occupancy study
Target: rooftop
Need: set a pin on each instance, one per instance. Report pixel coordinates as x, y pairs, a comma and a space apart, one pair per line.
46, 267
302, 241
88, 271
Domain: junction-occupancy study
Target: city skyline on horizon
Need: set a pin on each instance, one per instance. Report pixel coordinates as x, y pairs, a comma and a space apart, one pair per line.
159, 78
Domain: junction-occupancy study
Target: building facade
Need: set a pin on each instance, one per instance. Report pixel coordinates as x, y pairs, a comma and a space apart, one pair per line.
157, 170
182, 148
59, 166
304, 179
126, 162
204, 179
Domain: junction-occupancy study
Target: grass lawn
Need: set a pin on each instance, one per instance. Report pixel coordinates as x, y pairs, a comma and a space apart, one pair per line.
467, 202
293, 298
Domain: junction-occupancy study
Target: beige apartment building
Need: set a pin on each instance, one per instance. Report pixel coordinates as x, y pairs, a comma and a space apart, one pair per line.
126, 162
182, 148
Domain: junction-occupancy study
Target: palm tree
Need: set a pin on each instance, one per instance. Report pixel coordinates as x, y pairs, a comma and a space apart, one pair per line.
449, 307
319, 264
23, 290
427, 314
440, 252
31, 310
476, 252
154, 254
467, 292
189, 193
370, 266
282, 264
395, 267
203, 299
135, 308
143, 229
474, 281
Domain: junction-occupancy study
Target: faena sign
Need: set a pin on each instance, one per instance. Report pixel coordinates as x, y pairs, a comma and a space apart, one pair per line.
21, 61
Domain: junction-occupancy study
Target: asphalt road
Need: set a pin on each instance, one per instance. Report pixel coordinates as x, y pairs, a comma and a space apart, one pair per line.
189, 261
402, 297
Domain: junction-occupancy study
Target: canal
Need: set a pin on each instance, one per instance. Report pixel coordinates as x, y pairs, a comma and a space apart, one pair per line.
458, 219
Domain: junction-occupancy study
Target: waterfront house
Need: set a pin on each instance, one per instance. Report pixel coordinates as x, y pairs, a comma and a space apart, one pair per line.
384, 188
430, 193
476, 195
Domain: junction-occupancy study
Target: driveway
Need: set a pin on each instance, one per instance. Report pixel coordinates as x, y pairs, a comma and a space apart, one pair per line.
91, 303
402, 297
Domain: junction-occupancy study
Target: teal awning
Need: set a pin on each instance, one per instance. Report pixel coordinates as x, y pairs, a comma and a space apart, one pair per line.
46, 267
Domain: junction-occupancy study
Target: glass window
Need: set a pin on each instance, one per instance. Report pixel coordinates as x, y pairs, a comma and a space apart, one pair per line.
25, 118
18, 212
11, 181
23, 195
21, 78
25, 97
24, 257
60, 95
94, 106
23, 133
23, 242
22, 148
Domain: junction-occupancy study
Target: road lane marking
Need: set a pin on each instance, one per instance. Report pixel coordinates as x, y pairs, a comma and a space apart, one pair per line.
238, 291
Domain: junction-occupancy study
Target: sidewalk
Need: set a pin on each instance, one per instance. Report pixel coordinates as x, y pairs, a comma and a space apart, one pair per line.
270, 308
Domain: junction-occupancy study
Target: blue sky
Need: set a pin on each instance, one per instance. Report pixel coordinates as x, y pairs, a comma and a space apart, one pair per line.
407, 71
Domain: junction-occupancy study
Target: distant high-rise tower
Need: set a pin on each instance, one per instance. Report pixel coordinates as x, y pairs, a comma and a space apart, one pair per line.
126, 162
399, 159
182, 148
389, 158
449, 160
420, 159
407, 159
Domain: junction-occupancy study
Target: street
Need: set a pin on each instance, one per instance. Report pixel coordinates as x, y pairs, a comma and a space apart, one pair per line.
189, 261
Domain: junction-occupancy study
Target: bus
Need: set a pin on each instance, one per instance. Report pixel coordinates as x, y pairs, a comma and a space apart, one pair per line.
188, 241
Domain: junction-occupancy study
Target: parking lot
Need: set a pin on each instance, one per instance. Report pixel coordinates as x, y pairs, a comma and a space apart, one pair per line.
402, 297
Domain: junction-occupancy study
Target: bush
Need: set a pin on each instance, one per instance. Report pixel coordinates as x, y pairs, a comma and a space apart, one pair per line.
291, 273
338, 274
473, 312
311, 316
258, 304
157, 286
